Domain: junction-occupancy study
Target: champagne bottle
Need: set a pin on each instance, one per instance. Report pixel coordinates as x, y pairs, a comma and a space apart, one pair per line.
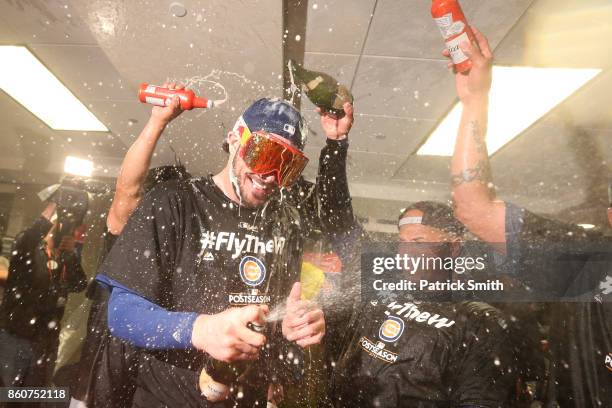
216, 379
322, 89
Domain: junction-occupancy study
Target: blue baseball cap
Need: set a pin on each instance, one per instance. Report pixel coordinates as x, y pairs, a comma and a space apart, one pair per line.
276, 116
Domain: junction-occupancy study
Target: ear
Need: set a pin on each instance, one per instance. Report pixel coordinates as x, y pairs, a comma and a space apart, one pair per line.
233, 140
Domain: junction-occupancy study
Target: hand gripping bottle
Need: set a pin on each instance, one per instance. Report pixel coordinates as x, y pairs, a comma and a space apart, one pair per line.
322, 89
217, 376
455, 30
156, 95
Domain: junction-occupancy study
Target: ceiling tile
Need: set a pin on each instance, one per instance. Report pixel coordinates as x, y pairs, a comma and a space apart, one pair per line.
123, 118
197, 48
404, 88
424, 169
52, 21
389, 135
86, 71
405, 28
337, 26
371, 167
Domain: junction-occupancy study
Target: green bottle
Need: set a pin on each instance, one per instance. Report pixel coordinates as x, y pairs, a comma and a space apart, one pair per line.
217, 377
322, 89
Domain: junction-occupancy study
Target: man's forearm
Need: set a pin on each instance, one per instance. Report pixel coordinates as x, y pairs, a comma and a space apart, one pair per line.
145, 324
132, 174
470, 167
472, 183
138, 158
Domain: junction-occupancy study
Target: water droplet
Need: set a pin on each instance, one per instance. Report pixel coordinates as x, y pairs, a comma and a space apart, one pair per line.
298, 37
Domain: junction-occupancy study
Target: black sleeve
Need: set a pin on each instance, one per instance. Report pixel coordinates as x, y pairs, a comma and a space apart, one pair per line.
326, 205
332, 188
482, 361
23, 248
561, 259
29, 239
143, 257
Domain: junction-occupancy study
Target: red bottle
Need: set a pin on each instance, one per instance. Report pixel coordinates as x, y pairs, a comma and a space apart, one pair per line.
455, 30
156, 95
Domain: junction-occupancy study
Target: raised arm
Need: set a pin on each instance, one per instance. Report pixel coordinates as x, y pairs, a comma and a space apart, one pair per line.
472, 184
136, 164
27, 240
336, 210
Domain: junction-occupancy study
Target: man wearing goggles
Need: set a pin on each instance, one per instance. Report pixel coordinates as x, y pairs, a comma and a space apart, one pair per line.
266, 153
201, 259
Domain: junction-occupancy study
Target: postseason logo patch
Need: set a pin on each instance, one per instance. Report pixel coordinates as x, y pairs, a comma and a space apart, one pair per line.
252, 271
391, 329
608, 361
377, 350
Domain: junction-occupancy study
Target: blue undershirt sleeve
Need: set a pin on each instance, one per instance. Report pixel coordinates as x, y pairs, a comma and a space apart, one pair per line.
145, 324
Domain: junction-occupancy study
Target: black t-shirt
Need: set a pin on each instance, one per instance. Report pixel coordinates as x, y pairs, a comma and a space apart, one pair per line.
187, 247
426, 354
581, 331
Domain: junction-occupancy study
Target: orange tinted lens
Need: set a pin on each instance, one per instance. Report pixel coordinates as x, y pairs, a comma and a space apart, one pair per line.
264, 155
290, 173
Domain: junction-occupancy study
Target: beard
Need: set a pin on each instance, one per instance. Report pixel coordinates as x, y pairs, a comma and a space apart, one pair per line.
246, 196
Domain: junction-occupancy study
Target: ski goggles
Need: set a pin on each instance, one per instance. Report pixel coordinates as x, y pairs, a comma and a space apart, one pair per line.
266, 153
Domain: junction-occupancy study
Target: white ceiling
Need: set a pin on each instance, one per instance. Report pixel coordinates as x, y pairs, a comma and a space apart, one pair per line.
388, 50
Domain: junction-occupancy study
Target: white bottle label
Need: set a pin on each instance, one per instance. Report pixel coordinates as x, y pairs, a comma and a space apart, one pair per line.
212, 390
444, 23
215, 392
456, 52
448, 27
155, 101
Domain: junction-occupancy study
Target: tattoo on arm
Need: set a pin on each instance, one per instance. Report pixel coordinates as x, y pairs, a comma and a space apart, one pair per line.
478, 137
482, 171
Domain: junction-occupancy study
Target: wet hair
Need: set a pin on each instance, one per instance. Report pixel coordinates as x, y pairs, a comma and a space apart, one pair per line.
437, 215
165, 173
225, 146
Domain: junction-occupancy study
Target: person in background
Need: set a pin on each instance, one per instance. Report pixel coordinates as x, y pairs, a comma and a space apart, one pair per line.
109, 365
427, 352
44, 270
581, 331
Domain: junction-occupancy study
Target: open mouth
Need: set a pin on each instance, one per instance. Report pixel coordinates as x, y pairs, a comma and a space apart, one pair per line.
259, 187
